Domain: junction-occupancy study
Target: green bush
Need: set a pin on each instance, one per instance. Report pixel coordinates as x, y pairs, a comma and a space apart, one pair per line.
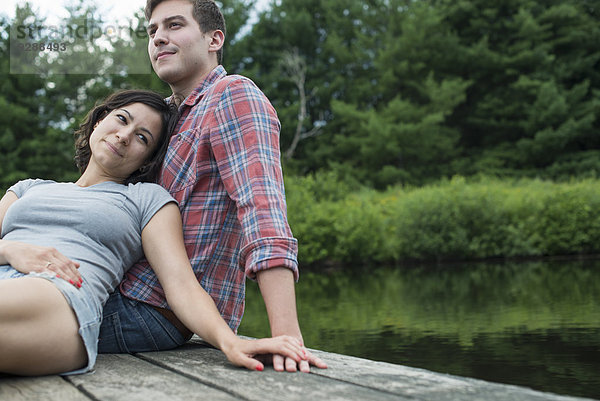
451, 220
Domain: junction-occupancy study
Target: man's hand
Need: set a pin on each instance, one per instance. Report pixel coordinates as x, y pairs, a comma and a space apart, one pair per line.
288, 364
249, 353
277, 288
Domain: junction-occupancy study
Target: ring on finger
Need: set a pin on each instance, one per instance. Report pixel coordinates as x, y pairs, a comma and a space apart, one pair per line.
48, 264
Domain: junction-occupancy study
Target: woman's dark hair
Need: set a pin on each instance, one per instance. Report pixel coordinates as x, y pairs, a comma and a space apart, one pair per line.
169, 116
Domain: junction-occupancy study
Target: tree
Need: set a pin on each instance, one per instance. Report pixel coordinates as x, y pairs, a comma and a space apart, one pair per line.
394, 129
533, 103
31, 147
45, 94
294, 68
524, 76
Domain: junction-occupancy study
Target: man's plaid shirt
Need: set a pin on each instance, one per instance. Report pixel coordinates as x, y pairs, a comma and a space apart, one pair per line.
223, 167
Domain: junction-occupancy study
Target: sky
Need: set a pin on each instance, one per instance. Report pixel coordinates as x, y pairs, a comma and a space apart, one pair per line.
50, 9
116, 14
116, 9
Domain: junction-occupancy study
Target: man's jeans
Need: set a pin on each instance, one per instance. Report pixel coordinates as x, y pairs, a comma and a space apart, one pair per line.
131, 326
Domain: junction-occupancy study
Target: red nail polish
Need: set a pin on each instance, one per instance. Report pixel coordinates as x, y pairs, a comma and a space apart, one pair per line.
259, 368
58, 276
72, 282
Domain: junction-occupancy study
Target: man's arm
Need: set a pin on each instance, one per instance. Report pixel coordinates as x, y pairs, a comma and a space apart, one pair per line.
246, 148
277, 289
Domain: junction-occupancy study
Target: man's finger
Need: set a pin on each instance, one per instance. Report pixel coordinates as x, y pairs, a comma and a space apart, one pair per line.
316, 361
304, 367
290, 365
278, 363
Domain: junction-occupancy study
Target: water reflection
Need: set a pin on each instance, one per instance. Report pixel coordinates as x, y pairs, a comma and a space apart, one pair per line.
535, 324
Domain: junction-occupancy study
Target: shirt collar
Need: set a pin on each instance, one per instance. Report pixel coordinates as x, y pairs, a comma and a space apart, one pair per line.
216, 74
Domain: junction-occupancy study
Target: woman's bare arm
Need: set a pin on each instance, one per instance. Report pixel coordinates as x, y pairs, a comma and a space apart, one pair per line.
164, 248
28, 258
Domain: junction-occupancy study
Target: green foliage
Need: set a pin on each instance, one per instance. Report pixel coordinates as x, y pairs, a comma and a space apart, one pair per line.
30, 145
531, 106
411, 92
395, 92
312, 211
403, 142
451, 220
405, 93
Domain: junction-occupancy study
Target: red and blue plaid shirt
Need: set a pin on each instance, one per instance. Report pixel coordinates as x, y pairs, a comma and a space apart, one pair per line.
223, 167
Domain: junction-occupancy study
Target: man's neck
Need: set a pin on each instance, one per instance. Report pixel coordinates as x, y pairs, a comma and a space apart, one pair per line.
182, 90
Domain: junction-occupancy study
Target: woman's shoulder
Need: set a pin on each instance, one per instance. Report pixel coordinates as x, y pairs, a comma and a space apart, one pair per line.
22, 186
146, 186
149, 199
148, 190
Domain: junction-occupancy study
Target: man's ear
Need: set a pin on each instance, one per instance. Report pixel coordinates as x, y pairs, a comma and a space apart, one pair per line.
217, 39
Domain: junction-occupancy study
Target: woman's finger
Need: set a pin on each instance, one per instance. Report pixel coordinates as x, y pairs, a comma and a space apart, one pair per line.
66, 271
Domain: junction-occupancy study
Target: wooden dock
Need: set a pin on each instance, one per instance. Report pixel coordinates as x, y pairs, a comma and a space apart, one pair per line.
199, 372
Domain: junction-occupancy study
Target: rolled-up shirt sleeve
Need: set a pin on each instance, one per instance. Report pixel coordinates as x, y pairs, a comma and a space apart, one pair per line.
245, 142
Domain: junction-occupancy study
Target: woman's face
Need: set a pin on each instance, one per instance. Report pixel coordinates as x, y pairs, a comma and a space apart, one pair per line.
124, 140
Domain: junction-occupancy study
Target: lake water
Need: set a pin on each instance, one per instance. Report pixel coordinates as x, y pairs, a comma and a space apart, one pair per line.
535, 324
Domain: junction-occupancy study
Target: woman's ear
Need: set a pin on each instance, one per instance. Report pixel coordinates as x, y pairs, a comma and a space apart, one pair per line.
144, 169
100, 118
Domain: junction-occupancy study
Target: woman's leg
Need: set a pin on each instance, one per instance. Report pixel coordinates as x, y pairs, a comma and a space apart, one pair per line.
38, 329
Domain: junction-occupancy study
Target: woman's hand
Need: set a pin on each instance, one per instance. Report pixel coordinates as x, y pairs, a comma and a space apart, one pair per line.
28, 258
242, 352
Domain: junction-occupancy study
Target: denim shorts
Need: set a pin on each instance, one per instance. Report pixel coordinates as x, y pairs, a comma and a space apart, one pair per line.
131, 326
87, 311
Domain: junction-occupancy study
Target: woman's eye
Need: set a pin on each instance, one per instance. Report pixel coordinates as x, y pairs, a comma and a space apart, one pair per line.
143, 138
122, 118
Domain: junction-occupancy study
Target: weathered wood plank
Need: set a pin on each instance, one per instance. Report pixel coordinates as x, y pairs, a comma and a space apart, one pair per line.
420, 384
39, 388
197, 371
125, 377
211, 367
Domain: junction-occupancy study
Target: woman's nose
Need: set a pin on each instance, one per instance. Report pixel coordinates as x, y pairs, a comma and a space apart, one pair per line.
123, 137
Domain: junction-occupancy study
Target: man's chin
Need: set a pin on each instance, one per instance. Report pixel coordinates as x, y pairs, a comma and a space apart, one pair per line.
166, 73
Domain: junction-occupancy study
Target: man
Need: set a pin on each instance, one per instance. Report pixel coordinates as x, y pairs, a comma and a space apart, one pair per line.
223, 168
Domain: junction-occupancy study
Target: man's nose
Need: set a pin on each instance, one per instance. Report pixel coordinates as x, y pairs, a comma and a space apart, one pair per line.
160, 37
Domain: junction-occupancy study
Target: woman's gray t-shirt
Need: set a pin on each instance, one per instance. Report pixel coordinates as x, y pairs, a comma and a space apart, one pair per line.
98, 226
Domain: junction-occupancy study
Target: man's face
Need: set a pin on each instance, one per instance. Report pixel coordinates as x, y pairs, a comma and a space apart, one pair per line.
177, 48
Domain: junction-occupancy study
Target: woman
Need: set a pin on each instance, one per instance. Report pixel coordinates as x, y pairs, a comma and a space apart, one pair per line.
65, 246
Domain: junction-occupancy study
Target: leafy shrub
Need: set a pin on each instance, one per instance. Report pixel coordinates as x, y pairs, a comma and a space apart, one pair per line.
452, 219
